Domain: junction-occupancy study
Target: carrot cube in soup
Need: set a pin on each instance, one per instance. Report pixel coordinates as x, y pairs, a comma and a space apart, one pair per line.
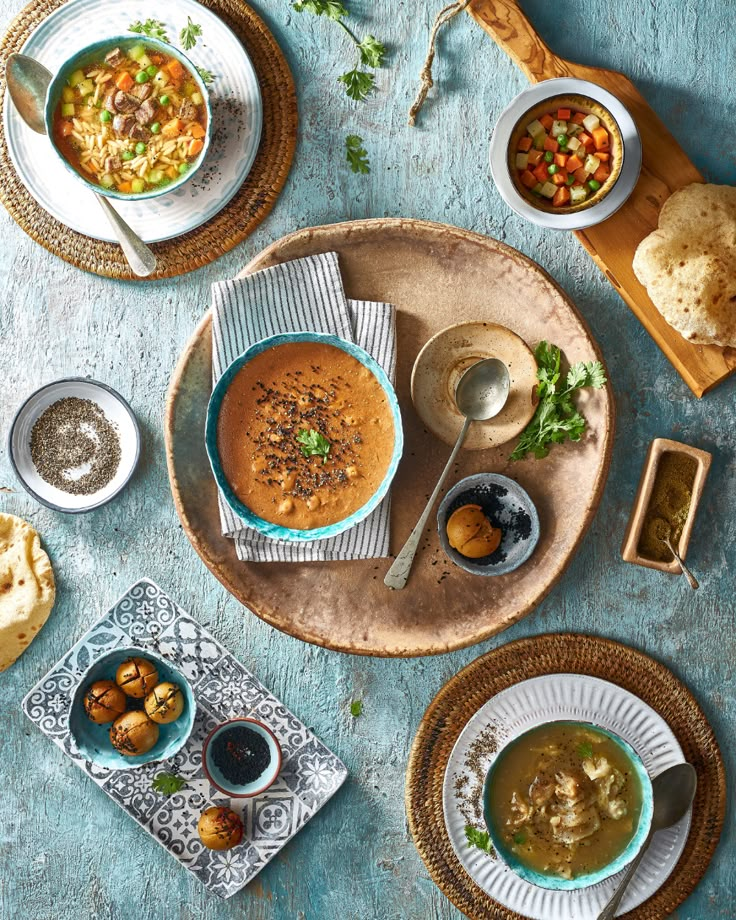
173, 128
196, 146
524, 144
562, 197
124, 81
541, 172
535, 156
547, 120
600, 139
561, 159
176, 71
66, 129
578, 118
125, 187
602, 173
560, 177
581, 175
574, 162
563, 114
551, 144
196, 130
172, 173
586, 140
528, 179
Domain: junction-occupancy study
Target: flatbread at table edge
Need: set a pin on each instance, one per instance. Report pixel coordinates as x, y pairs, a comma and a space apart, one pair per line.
27, 587
688, 265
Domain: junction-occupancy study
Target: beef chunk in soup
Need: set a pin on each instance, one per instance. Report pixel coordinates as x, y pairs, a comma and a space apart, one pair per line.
109, 103
121, 124
142, 90
145, 113
115, 57
140, 133
124, 102
113, 163
187, 110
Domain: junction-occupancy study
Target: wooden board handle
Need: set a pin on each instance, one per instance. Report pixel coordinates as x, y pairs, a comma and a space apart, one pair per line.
511, 30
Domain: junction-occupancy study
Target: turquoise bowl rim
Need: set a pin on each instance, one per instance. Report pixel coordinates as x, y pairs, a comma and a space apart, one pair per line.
116, 761
276, 531
58, 82
592, 878
255, 788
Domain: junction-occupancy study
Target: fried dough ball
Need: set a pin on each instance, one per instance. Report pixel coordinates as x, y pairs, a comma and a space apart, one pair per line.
104, 701
165, 703
220, 828
137, 677
471, 533
133, 733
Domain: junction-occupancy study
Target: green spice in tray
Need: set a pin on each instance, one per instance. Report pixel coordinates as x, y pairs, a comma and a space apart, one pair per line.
669, 505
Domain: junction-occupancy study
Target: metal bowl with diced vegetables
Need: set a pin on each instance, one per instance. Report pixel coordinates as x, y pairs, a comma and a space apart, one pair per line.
565, 154
130, 117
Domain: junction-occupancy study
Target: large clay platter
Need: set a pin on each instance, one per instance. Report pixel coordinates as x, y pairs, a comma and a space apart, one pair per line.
436, 276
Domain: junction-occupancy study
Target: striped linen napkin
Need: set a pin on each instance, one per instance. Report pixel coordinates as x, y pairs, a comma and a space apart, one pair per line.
300, 296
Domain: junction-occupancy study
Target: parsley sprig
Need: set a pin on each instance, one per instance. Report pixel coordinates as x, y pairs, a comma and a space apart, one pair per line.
153, 28
356, 708
585, 750
168, 783
557, 419
189, 34
188, 37
356, 154
479, 839
313, 444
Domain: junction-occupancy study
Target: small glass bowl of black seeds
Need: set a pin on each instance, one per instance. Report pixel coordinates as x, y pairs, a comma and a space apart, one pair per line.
507, 507
74, 444
242, 758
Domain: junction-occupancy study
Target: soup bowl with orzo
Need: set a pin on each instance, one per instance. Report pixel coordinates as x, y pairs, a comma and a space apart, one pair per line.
130, 117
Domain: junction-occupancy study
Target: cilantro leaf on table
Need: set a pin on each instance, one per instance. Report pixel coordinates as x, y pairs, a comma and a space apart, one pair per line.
356, 154
153, 28
206, 76
189, 34
356, 708
556, 418
479, 839
332, 9
359, 84
313, 444
371, 51
168, 783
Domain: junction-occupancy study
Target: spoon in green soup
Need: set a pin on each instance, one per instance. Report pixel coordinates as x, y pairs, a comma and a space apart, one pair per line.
28, 81
674, 791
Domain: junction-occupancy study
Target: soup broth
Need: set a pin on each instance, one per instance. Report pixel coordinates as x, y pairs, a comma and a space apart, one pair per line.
564, 799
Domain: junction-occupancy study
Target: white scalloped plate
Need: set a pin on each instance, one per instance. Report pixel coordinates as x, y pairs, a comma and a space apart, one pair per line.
579, 698
237, 115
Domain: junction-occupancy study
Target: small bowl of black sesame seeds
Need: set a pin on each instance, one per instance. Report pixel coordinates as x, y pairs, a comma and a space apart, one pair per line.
242, 758
497, 503
74, 444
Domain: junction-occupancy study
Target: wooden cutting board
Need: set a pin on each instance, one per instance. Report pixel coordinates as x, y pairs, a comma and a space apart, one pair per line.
665, 168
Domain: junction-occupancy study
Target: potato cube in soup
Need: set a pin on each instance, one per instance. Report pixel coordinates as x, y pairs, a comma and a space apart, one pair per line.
591, 122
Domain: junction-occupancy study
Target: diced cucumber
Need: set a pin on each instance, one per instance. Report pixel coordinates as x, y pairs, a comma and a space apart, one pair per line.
549, 190
591, 122
76, 78
67, 110
197, 98
189, 88
536, 129
138, 186
537, 190
136, 52
558, 127
155, 176
68, 94
107, 181
577, 194
572, 144
144, 61
86, 87
522, 160
591, 163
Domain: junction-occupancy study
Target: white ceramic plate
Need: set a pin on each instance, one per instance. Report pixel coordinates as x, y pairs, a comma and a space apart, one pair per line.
516, 710
237, 117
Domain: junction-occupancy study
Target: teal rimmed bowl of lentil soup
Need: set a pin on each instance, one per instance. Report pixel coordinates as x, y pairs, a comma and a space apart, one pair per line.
304, 436
242, 757
567, 804
130, 117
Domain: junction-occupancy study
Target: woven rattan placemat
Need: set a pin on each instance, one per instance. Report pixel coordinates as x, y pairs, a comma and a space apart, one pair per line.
237, 219
464, 694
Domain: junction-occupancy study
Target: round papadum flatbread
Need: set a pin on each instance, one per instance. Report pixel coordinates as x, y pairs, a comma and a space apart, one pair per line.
27, 587
688, 265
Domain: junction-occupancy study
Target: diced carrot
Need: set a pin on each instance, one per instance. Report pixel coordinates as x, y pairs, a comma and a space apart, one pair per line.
551, 144
581, 175
600, 139
574, 162
562, 196
66, 129
541, 172
535, 156
125, 187
547, 121
172, 173
173, 128
586, 140
528, 179
561, 159
578, 118
175, 69
603, 156
524, 144
560, 177
196, 130
195, 147
563, 114
602, 173
124, 81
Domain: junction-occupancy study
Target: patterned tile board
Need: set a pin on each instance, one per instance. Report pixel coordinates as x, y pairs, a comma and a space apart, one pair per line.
223, 688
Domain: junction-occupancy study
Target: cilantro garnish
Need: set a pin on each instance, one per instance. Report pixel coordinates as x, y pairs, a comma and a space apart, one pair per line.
168, 783
585, 750
189, 34
356, 154
356, 708
206, 76
479, 839
313, 444
153, 28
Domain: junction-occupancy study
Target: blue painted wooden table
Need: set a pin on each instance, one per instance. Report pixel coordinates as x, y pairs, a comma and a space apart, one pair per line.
65, 850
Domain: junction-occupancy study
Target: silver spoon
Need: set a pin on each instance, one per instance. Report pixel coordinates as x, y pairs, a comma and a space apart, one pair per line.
481, 393
674, 791
28, 82
691, 579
